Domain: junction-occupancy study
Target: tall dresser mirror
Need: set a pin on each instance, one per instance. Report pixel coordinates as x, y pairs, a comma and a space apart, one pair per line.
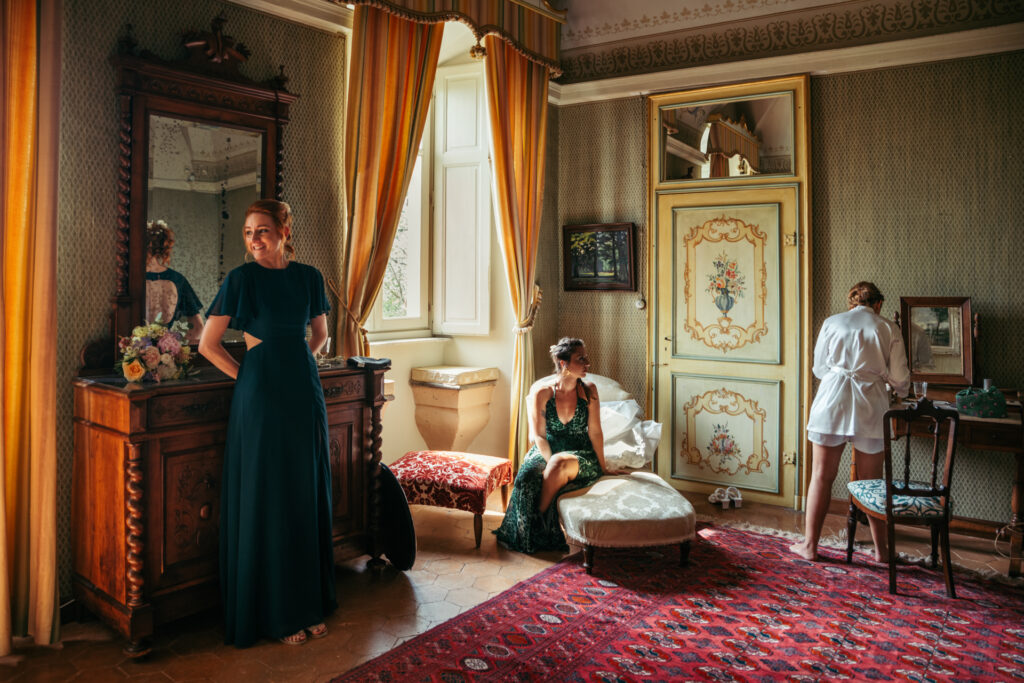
199, 142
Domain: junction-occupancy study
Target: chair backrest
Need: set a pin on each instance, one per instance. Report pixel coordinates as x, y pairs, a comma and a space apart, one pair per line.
925, 420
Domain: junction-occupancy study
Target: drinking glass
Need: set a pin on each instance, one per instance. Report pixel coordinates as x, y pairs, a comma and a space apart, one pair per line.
322, 353
920, 390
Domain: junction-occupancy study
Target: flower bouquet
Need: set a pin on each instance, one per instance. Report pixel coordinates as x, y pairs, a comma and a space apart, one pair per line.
156, 352
725, 284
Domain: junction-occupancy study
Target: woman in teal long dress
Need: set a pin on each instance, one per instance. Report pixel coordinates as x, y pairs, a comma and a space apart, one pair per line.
567, 452
276, 561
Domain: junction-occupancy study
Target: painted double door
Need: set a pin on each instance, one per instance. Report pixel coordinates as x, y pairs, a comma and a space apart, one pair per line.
727, 344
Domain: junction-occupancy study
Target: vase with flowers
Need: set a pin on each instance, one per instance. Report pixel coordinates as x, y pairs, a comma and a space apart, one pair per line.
156, 352
725, 283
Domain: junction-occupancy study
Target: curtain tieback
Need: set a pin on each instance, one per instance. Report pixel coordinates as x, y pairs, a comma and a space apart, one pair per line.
524, 326
333, 286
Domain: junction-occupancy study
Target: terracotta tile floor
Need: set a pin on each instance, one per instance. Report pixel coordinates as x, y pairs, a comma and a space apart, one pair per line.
376, 613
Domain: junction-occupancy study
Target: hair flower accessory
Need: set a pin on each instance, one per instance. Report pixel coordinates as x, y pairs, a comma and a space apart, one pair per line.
156, 352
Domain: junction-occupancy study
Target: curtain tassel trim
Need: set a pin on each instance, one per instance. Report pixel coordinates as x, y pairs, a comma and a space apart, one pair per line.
336, 290
524, 326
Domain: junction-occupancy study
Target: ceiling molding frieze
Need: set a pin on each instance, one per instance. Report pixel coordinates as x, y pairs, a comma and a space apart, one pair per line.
847, 24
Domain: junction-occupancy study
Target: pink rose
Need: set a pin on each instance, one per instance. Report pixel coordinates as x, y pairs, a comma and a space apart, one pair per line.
169, 343
150, 356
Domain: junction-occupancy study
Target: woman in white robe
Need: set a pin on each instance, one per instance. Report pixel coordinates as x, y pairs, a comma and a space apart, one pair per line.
857, 353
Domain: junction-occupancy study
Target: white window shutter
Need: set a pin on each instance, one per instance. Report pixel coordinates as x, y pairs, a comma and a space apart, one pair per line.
462, 203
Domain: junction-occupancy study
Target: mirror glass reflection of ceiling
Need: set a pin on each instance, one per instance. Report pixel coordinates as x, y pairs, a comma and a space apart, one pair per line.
201, 157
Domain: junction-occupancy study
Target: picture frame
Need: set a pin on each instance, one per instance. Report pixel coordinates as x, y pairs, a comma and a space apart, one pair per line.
938, 338
599, 256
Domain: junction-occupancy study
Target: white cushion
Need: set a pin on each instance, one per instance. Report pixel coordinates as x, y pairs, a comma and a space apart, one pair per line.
627, 511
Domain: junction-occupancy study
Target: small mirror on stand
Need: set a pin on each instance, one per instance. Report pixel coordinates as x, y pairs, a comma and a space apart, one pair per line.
938, 334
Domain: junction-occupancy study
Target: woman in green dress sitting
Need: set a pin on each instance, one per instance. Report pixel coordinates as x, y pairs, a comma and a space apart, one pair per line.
567, 452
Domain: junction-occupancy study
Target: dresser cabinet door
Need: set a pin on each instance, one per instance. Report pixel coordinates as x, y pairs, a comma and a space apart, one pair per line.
184, 520
348, 470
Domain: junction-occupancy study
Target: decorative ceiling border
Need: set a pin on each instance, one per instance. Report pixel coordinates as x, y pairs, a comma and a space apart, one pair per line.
846, 24
959, 45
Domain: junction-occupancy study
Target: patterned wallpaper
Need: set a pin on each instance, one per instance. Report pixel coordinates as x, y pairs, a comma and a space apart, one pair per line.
921, 195
313, 166
602, 159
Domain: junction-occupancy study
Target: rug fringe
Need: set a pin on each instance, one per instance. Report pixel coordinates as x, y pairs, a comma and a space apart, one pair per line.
837, 541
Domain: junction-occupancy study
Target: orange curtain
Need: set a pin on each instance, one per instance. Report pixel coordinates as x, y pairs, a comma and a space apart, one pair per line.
392, 75
517, 98
30, 36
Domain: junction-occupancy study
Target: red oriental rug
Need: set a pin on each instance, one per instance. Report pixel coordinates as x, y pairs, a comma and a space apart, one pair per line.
744, 609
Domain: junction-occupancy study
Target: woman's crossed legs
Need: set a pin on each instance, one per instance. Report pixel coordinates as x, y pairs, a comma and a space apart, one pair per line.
560, 470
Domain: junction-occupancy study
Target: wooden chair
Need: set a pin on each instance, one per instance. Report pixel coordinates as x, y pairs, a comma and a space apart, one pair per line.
921, 503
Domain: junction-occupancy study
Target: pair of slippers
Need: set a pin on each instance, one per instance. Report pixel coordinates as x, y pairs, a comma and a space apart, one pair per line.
316, 631
726, 497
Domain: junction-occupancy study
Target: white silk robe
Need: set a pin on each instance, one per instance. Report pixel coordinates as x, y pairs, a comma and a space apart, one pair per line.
856, 354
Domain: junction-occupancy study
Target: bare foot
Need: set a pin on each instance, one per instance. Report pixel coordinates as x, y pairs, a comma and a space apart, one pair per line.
802, 549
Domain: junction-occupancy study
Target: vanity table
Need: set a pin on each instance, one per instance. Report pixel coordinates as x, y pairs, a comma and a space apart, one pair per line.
146, 488
940, 335
1003, 435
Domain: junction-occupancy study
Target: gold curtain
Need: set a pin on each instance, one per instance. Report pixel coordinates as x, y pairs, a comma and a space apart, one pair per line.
392, 75
517, 98
30, 35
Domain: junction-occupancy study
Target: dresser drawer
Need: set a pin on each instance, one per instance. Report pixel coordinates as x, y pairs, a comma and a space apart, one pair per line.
180, 409
344, 388
991, 435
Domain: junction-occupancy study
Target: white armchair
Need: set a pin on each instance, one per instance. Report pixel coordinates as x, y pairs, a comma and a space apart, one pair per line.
629, 440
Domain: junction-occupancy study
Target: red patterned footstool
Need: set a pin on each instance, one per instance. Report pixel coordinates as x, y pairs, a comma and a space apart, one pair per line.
448, 479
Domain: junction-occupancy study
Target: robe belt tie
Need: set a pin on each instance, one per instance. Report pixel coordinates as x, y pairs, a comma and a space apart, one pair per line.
855, 376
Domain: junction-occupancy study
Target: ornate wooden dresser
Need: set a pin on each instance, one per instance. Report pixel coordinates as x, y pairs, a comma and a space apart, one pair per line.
146, 487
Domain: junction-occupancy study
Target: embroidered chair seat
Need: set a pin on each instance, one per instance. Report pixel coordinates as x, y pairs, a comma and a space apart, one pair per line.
924, 503
871, 492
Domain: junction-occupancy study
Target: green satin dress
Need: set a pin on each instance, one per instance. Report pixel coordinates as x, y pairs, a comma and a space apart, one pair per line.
525, 529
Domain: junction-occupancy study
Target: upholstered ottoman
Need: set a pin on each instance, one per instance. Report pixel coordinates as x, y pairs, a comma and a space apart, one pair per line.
627, 511
450, 479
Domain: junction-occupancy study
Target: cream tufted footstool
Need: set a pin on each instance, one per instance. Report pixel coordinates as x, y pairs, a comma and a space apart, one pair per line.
627, 511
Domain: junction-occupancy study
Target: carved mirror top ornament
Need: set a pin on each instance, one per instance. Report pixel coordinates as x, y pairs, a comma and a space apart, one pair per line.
232, 127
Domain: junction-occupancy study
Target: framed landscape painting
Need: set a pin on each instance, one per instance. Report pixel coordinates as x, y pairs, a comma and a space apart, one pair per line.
599, 256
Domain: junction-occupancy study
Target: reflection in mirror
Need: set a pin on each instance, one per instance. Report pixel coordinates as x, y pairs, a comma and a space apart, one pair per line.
728, 138
935, 340
201, 179
938, 334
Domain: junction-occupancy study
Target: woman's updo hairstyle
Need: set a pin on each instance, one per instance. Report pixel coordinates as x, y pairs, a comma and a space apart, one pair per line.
281, 214
159, 240
563, 350
864, 294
